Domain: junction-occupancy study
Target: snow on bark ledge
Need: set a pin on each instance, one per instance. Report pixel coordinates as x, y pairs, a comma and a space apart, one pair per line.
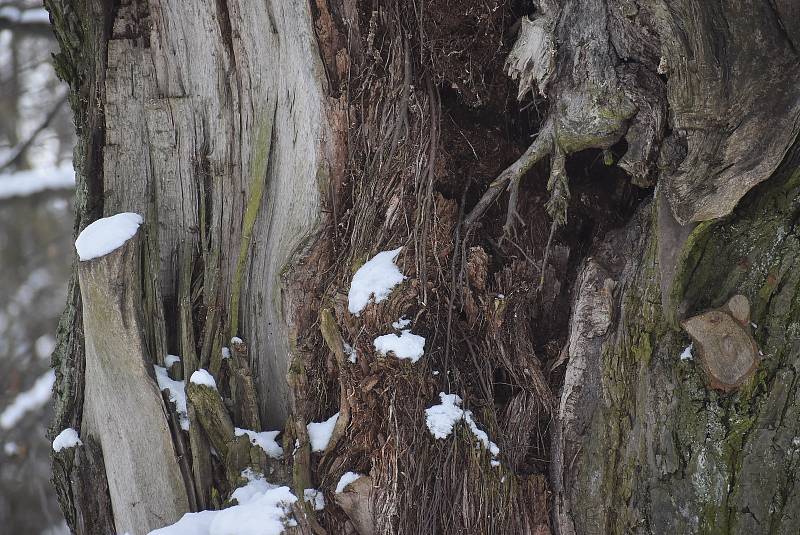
346, 479
441, 419
319, 433
68, 438
177, 393
405, 345
265, 440
375, 278
106, 235
202, 377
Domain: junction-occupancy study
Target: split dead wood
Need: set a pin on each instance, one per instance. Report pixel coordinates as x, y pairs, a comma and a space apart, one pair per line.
243, 389
333, 339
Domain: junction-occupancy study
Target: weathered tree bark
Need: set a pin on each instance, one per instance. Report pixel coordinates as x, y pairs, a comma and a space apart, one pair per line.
273, 148
123, 410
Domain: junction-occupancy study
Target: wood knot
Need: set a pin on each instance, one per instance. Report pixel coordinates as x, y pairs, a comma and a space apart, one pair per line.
724, 346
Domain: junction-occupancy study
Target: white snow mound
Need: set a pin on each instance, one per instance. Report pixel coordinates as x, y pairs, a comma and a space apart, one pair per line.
375, 279
68, 438
263, 509
320, 433
202, 377
405, 345
106, 235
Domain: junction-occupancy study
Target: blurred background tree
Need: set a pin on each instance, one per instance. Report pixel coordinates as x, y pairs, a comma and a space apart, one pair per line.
36, 178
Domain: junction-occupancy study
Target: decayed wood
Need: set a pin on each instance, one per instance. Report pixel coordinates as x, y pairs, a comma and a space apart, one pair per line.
333, 339
123, 408
91, 503
243, 390
611, 265
202, 474
211, 415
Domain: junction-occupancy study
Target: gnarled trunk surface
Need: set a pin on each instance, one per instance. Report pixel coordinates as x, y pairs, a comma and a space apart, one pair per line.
273, 148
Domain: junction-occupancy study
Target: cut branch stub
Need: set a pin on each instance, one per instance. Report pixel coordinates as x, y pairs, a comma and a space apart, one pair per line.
724, 346
123, 407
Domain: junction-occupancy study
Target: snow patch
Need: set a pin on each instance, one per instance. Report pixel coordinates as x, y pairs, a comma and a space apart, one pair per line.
441, 419
177, 393
202, 377
32, 399
265, 440
687, 353
10, 448
352, 354
375, 279
481, 434
170, 360
68, 438
346, 479
106, 235
263, 509
404, 346
315, 498
401, 323
226, 353
319, 433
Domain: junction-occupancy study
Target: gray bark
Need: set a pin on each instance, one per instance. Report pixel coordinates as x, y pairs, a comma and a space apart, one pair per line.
123, 410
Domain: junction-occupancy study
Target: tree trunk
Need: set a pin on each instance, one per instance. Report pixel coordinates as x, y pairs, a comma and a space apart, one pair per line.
274, 148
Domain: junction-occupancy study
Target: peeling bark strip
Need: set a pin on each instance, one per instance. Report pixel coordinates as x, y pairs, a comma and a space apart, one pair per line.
123, 408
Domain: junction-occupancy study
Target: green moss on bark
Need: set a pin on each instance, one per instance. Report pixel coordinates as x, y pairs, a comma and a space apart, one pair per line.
664, 453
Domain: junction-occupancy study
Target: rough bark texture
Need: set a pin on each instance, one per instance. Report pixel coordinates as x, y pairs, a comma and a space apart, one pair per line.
274, 148
644, 444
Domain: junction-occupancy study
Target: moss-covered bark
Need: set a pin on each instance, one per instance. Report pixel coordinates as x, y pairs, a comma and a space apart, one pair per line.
665, 453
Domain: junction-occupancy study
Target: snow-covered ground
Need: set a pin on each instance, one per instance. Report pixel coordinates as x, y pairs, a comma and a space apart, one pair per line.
263, 509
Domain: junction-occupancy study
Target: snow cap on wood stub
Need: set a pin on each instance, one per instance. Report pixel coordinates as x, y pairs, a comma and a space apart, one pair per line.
726, 349
107, 235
